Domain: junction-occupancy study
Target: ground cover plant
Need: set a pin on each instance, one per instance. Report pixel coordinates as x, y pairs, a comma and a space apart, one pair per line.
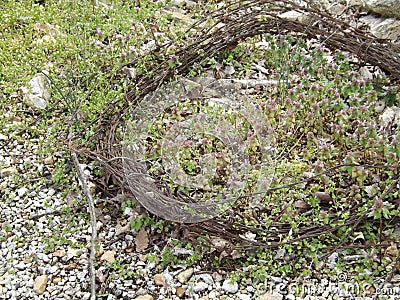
335, 163
325, 116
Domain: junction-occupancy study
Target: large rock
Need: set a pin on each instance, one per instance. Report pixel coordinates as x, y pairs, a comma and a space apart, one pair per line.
390, 117
384, 28
388, 8
38, 91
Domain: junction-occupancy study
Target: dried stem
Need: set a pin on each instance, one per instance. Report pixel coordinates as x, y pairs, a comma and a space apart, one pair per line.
93, 222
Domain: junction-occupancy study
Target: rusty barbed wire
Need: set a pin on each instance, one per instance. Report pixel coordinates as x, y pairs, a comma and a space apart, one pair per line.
223, 29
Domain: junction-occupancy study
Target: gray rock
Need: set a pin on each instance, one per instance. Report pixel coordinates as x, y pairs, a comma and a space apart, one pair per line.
168, 278
22, 290
151, 266
229, 70
22, 191
20, 266
51, 192
130, 72
181, 251
218, 277
355, 3
336, 9
365, 73
229, 287
384, 28
150, 46
389, 8
207, 278
42, 270
295, 15
391, 115
37, 93
332, 260
53, 269
199, 287
280, 254
276, 279
43, 257
32, 194
243, 297
250, 289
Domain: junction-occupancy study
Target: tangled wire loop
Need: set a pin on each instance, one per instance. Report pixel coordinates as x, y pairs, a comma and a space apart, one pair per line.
216, 144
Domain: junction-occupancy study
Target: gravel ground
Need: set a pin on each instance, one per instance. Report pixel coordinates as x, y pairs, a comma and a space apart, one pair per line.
44, 248
44, 254
45, 240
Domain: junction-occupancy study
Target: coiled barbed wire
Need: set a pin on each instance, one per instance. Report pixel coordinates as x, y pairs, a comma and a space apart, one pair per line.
221, 124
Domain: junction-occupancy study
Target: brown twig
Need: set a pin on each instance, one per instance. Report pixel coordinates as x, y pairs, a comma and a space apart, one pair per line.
93, 222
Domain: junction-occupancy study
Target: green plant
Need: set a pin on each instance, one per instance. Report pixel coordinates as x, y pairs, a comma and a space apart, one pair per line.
321, 110
121, 270
129, 203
